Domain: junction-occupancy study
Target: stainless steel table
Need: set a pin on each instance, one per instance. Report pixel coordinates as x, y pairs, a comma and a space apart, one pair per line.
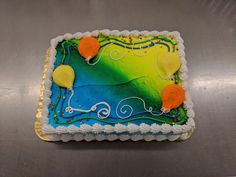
209, 31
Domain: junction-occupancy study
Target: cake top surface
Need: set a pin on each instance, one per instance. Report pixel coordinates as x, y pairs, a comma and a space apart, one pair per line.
134, 79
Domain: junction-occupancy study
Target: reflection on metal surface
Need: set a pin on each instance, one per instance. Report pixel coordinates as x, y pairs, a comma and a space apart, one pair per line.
221, 8
214, 82
13, 93
33, 91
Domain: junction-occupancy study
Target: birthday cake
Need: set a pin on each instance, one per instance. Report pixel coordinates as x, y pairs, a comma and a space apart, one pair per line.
115, 85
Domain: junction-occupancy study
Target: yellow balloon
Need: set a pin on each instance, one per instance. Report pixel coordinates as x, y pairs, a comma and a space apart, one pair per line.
170, 63
64, 76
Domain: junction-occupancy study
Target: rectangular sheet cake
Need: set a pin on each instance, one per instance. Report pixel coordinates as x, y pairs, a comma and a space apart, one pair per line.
115, 85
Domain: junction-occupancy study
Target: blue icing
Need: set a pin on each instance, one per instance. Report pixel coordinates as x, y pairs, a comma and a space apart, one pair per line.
85, 98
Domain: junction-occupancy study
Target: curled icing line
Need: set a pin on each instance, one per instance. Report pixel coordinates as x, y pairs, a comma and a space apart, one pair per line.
111, 55
117, 51
126, 107
102, 113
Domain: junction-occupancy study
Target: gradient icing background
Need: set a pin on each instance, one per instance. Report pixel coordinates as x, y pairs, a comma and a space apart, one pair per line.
125, 67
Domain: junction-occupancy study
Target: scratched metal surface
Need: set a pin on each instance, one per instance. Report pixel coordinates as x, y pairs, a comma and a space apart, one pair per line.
209, 31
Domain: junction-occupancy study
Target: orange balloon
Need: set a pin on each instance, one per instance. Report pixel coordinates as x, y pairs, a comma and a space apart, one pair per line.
172, 96
88, 47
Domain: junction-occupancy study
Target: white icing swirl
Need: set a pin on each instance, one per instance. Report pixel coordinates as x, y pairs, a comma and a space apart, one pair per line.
95, 33
188, 104
89, 137
67, 36
78, 35
85, 128
87, 34
132, 128
112, 137
66, 137
124, 33
154, 33
119, 128
97, 128
73, 129
190, 113
186, 128
114, 32
166, 128
124, 137
61, 130
105, 32
54, 137
155, 128
191, 122
78, 137
177, 129
108, 129
136, 137
173, 137
100, 137
48, 129
161, 137
183, 76
144, 128
145, 33
184, 69
149, 137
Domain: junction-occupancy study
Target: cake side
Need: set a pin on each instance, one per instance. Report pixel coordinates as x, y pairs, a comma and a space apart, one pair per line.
118, 131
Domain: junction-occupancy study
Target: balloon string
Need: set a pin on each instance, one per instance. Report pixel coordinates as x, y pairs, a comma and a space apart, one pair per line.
72, 94
97, 59
102, 113
124, 111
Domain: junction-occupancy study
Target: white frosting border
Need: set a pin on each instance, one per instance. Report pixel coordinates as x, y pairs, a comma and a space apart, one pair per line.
121, 132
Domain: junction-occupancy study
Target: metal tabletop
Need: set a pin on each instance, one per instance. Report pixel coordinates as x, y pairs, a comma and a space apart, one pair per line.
209, 31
